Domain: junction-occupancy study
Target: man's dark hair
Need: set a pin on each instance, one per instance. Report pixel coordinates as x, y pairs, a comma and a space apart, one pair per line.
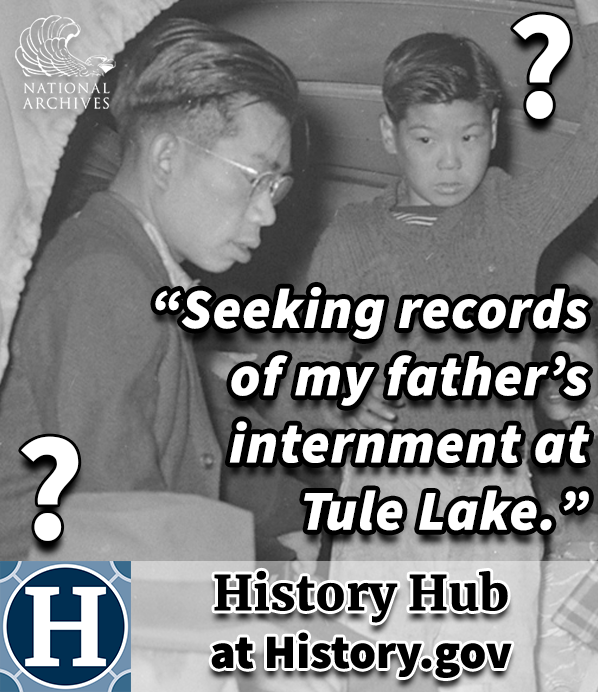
438, 68
182, 68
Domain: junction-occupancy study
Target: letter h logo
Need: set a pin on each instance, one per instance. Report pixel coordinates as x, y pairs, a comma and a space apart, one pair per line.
43, 625
65, 626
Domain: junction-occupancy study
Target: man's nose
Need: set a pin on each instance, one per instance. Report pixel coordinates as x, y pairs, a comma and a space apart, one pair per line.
262, 211
450, 157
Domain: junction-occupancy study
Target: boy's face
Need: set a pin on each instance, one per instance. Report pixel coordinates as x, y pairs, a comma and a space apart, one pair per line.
207, 213
443, 150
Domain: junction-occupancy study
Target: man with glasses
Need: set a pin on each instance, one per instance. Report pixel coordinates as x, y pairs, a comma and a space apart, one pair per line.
204, 118
277, 185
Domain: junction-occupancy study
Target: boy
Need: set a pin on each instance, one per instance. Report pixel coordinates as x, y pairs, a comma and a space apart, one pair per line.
452, 226
205, 119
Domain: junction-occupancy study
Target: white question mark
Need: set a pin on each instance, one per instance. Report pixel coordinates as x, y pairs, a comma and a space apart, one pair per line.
539, 104
48, 526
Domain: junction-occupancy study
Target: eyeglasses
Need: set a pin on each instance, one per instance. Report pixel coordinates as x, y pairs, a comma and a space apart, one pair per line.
278, 186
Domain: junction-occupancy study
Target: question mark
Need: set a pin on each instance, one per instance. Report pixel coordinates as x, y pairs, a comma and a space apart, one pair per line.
48, 526
539, 104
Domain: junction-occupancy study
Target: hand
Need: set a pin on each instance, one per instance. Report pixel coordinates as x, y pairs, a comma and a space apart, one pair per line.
306, 548
572, 539
375, 411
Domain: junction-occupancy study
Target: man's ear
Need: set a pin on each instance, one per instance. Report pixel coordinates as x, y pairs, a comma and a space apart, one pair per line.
388, 132
494, 125
162, 153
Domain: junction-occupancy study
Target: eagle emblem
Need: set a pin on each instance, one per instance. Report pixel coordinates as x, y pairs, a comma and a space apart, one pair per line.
44, 50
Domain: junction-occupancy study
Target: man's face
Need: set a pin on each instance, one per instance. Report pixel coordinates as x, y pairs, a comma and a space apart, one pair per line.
443, 150
208, 214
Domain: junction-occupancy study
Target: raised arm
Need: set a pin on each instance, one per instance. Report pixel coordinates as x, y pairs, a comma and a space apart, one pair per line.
587, 11
543, 203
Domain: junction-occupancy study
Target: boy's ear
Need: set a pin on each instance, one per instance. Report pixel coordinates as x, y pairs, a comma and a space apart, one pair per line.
494, 125
388, 132
162, 152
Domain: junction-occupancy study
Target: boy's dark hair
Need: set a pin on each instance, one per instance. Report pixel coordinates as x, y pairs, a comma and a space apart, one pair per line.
182, 67
438, 68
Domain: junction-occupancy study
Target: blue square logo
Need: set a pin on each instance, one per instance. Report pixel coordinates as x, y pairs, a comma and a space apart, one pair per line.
65, 626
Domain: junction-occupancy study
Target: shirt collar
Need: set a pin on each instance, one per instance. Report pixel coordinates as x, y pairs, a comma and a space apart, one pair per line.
176, 274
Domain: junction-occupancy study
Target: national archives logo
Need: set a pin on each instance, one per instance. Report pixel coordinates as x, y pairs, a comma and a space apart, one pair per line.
44, 51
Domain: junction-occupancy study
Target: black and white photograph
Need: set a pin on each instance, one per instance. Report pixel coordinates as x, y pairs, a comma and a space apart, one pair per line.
297, 316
